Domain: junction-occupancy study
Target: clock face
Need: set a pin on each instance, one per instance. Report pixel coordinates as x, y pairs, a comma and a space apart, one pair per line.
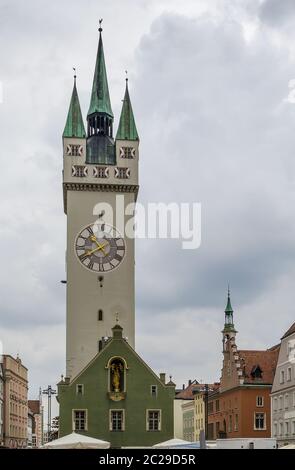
100, 247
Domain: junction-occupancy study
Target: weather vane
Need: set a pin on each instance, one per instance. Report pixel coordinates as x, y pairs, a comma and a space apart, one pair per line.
75, 76
100, 28
126, 73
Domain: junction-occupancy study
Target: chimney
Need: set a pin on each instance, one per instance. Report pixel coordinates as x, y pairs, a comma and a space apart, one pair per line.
183, 387
163, 377
189, 382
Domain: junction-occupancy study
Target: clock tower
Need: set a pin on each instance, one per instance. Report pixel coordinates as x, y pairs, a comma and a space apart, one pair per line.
97, 168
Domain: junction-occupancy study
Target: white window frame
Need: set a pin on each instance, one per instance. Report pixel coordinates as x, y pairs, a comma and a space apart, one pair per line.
74, 421
147, 419
154, 395
289, 374
282, 376
77, 392
264, 421
258, 399
110, 419
286, 401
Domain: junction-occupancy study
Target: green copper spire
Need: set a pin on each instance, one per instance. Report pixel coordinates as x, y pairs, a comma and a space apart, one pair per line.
127, 128
100, 98
229, 321
74, 125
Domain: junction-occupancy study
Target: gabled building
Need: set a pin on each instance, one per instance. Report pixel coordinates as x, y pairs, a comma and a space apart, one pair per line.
283, 391
241, 406
117, 398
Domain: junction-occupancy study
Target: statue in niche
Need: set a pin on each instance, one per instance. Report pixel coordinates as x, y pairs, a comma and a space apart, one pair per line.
117, 375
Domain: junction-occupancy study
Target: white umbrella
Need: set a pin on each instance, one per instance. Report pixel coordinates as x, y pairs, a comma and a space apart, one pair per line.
172, 443
77, 441
289, 446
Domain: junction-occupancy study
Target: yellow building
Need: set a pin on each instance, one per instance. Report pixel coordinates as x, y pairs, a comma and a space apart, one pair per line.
199, 408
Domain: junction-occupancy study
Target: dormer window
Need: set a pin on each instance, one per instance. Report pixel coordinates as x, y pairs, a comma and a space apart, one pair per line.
256, 372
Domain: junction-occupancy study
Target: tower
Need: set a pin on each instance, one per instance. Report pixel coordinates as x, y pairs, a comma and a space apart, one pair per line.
98, 171
229, 331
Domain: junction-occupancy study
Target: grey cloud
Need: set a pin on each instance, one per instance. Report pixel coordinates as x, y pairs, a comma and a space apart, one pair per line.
276, 12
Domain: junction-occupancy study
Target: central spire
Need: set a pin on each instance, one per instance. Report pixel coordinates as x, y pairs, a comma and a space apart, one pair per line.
100, 98
100, 143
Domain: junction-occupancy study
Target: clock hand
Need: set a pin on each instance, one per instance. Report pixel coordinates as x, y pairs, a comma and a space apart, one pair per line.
99, 247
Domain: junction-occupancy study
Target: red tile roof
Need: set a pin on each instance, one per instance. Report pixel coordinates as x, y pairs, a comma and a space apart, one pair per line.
188, 392
34, 406
265, 360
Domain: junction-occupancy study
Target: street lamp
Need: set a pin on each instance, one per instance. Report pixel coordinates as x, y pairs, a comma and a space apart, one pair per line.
49, 391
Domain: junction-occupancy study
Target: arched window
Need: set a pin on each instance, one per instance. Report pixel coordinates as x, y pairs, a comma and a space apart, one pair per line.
100, 315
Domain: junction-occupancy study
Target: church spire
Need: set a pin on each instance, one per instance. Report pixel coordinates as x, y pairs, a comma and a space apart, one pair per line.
100, 98
74, 125
127, 127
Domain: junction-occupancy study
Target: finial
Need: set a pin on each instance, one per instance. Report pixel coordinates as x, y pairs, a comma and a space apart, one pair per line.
117, 318
100, 28
126, 73
75, 76
170, 377
228, 291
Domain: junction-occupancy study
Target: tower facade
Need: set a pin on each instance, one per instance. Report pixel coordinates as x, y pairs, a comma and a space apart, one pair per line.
100, 179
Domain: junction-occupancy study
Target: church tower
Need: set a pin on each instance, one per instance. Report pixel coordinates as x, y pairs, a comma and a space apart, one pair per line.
98, 170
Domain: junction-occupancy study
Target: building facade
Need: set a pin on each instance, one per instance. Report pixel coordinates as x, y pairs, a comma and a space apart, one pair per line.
15, 402
117, 398
241, 406
35, 408
283, 391
100, 184
1, 402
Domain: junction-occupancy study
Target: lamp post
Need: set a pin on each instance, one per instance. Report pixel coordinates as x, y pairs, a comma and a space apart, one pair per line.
49, 392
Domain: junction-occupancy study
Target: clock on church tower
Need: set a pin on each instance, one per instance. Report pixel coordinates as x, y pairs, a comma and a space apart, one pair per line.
99, 260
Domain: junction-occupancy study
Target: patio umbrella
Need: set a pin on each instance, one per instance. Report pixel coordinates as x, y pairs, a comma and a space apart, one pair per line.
77, 441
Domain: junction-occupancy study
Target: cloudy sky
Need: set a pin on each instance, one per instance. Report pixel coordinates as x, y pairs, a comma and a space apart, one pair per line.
212, 92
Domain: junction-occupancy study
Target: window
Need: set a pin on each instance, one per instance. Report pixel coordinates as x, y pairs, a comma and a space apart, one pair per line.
210, 407
286, 401
281, 429
293, 427
80, 389
79, 171
289, 374
80, 420
153, 420
230, 423
122, 173
286, 428
275, 429
75, 150
217, 405
117, 420
100, 315
281, 403
101, 172
282, 377
275, 404
259, 401
154, 390
127, 152
236, 422
217, 427
259, 421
